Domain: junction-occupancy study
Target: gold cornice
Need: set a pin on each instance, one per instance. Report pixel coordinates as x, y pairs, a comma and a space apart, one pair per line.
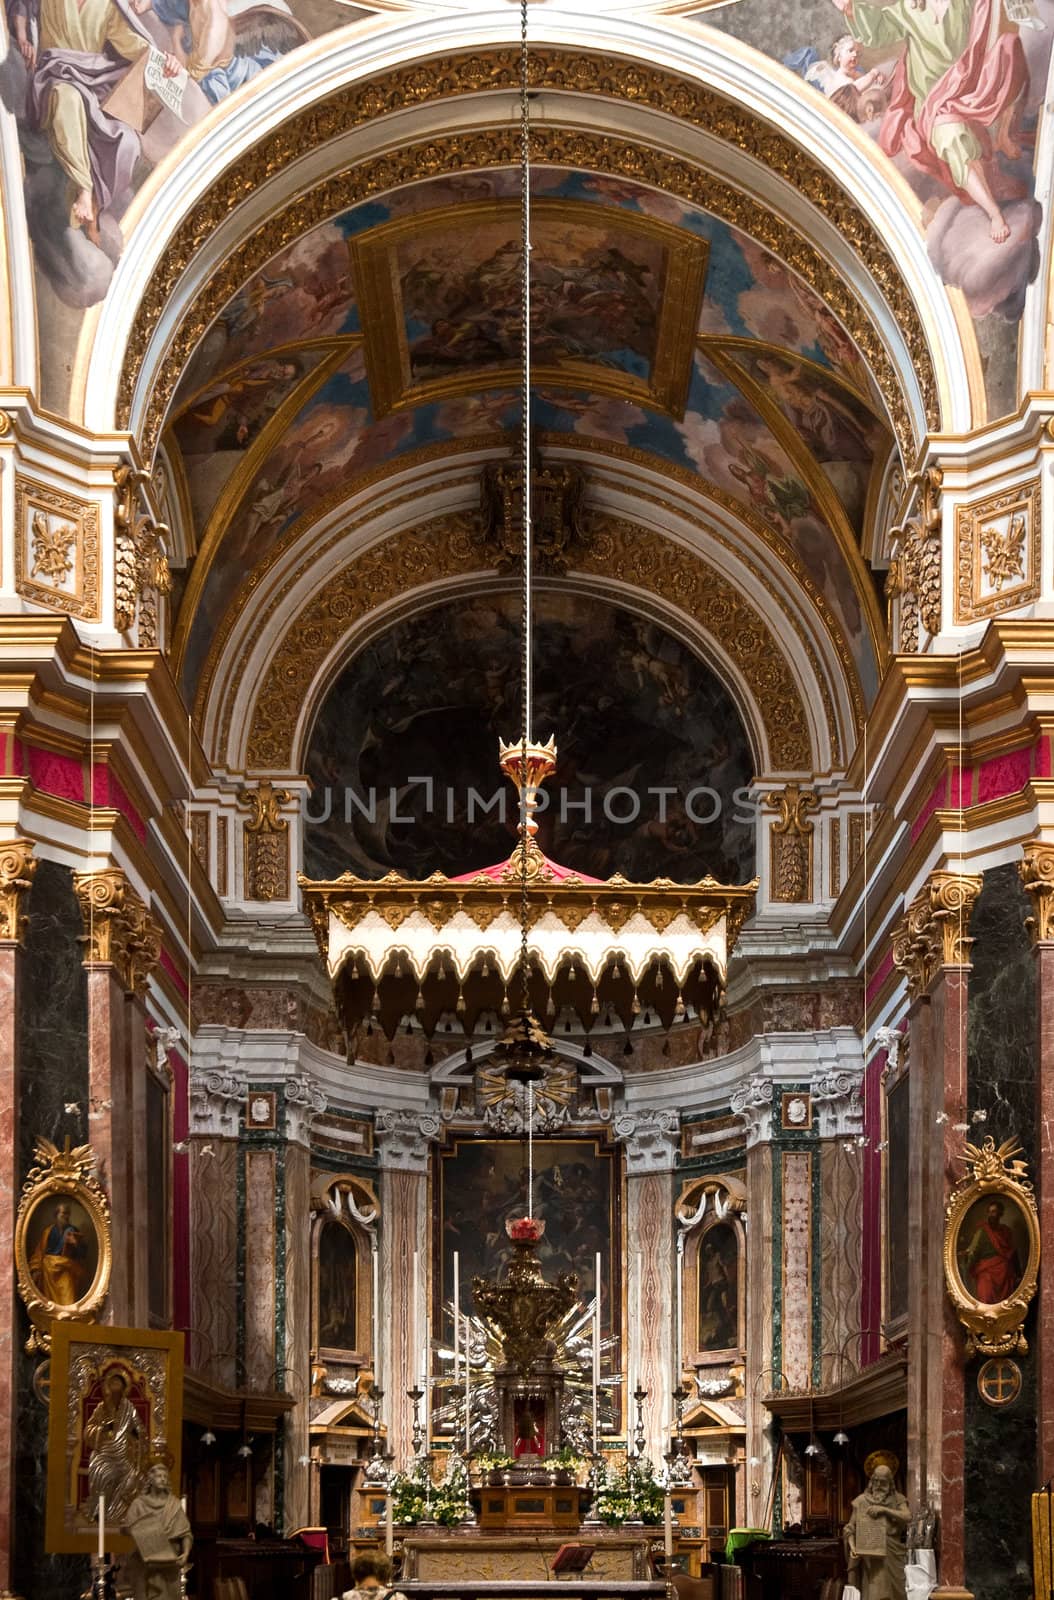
1037, 876
17, 868
449, 547
498, 70
231, 494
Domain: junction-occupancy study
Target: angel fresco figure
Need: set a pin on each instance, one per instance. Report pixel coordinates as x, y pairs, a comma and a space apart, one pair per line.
956, 92
221, 52
76, 52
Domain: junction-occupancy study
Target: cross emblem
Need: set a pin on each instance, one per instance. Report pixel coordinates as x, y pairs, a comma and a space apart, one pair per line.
999, 1382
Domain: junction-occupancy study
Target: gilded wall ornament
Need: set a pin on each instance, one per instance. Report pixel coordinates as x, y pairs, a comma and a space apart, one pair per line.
63, 1246
141, 570
498, 70
56, 549
17, 867
558, 522
932, 934
790, 842
266, 842
1037, 875
992, 1248
915, 569
997, 542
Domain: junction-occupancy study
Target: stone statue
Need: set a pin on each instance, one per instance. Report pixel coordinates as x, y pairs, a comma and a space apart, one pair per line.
161, 1535
876, 1547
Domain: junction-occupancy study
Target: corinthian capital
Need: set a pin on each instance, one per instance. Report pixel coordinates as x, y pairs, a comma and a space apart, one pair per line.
1037, 875
932, 934
17, 866
651, 1140
752, 1104
120, 930
403, 1138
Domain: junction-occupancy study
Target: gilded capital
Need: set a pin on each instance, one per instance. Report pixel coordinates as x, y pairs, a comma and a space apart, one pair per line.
1037, 875
17, 866
932, 934
120, 932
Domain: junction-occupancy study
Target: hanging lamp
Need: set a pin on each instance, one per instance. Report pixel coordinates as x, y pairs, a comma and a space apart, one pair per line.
526, 938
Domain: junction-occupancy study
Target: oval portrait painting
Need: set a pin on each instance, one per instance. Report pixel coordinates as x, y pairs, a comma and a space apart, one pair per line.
992, 1248
62, 1249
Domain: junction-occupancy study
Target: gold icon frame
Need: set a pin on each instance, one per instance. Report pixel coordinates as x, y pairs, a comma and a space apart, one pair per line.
68, 1174
992, 1329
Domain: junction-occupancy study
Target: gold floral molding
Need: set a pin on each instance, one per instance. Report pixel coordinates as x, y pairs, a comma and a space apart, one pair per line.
914, 576
56, 549
489, 70
121, 932
450, 546
791, 841
997, 544
1037, 875
266, 842
141, 570
17, 867
932, 934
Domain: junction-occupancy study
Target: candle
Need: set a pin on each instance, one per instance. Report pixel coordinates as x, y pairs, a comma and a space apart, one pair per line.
457, 1316
375, 1255
102, 1527
415, 1293
638, 1357
468, 1391
389, 1530
667, 1527
596, 1352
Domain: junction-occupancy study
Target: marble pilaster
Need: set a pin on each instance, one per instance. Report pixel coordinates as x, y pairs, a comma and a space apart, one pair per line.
1037, 875
216, 1100
753, 1104
17, 867
404, 1141
296, 1504
931, 948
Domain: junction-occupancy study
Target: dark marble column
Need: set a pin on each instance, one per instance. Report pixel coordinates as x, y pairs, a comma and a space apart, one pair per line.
1037, 876
931, 948
52, 1031
1001, 1445
17, 867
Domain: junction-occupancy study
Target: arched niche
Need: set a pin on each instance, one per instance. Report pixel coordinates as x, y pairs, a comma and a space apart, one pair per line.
343, 1276
711, 1212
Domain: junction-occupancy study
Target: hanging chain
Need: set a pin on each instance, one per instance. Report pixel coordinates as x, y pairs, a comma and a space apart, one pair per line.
525, 440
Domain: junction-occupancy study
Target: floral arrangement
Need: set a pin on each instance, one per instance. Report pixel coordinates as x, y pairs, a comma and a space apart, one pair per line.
525, 1230
415, 1498
629, 1495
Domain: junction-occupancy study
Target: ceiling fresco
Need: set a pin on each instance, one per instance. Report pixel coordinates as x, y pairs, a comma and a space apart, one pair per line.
763, 396
434, 693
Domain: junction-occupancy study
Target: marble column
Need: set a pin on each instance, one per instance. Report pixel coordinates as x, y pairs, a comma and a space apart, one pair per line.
404, 1138
1037, 875
931, 949
216, 1101
753, 1105
17, 866
302, 1102
650, 1139
123, 944
838, 1117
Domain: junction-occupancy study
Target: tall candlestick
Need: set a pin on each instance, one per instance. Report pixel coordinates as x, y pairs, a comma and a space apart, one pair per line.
638, 1357
102, 1527
457, 1316
667, 1525
389, 1530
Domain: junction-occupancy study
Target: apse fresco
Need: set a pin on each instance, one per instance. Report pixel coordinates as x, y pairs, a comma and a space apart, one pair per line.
430, 699
753, 309
952, 92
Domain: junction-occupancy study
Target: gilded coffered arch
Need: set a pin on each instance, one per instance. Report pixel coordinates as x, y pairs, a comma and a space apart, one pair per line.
906, 325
